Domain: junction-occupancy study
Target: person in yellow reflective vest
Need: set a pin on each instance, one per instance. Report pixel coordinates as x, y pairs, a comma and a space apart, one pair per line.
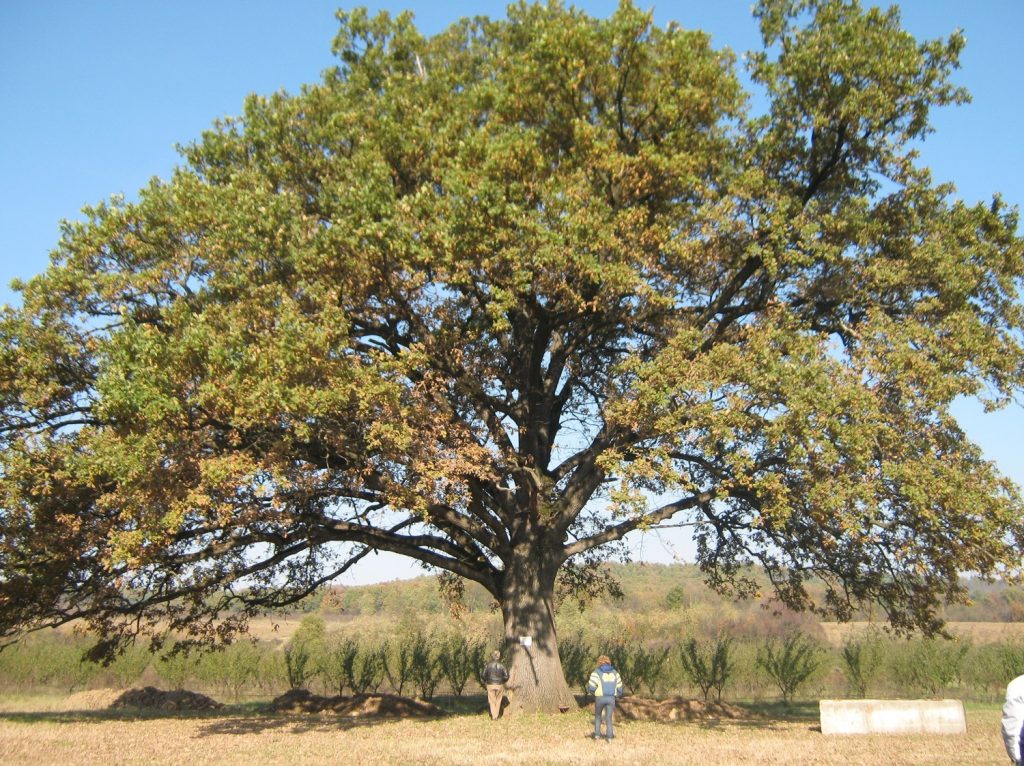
606, 685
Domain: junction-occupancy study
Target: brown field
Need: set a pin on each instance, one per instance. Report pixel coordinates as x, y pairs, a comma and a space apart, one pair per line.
39, 730
978, 632
278, 630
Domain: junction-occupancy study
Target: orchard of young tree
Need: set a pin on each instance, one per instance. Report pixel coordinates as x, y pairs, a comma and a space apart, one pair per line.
495, 298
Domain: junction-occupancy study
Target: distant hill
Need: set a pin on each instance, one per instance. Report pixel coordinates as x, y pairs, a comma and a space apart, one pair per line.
649, 590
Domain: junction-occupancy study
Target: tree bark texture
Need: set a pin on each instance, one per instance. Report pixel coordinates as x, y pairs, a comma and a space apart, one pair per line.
536, 679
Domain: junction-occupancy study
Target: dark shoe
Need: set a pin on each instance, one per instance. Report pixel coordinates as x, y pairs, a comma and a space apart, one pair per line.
610, 738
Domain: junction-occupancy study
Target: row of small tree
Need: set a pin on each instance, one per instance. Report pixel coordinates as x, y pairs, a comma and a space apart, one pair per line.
868, 663
56, 662
424, 662
421, 663
411, 660
707, 666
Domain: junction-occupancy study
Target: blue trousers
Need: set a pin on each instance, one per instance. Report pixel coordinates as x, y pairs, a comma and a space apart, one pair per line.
604, 707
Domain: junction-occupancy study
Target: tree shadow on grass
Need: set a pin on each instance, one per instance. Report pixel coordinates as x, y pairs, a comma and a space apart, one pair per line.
751, 716
299, 711
794, 712
107, 715
766, 716
253, 718
240, 719
294, 723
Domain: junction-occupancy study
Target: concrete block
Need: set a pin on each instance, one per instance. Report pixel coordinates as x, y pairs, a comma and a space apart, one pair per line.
892, 717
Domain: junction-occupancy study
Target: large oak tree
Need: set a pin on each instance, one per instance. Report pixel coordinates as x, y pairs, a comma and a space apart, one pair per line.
496, 298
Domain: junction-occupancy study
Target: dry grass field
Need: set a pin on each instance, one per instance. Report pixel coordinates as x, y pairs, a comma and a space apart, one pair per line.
277, 631
39, 730
978, 632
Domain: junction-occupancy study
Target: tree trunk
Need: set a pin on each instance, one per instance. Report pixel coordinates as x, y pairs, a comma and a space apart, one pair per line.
535, 672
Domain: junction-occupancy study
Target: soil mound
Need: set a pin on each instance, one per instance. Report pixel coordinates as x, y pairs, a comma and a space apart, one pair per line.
156, 699
91, 699
677, 709
359, 706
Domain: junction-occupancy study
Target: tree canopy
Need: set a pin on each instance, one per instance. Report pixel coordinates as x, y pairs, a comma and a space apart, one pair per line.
495, 298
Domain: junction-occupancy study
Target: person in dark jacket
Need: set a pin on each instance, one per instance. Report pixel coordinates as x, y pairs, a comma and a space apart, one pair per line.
495, 677
606, 685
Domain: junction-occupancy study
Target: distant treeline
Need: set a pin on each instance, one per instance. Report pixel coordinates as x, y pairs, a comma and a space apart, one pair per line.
646, 588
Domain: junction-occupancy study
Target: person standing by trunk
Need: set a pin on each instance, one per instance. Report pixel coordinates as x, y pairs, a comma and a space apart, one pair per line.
606, 685
495, 676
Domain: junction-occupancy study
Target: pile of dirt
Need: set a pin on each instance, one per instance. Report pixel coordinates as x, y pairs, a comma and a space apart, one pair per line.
359, 706
677, 709
151, 698
92, 699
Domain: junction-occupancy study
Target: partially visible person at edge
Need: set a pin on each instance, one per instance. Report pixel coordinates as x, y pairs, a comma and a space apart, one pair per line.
606, 685
495, 677
1013, 719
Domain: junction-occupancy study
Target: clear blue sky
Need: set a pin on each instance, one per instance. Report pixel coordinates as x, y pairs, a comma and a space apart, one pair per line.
95, 95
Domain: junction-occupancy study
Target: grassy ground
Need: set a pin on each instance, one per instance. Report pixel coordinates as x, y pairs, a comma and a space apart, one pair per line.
34, 731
